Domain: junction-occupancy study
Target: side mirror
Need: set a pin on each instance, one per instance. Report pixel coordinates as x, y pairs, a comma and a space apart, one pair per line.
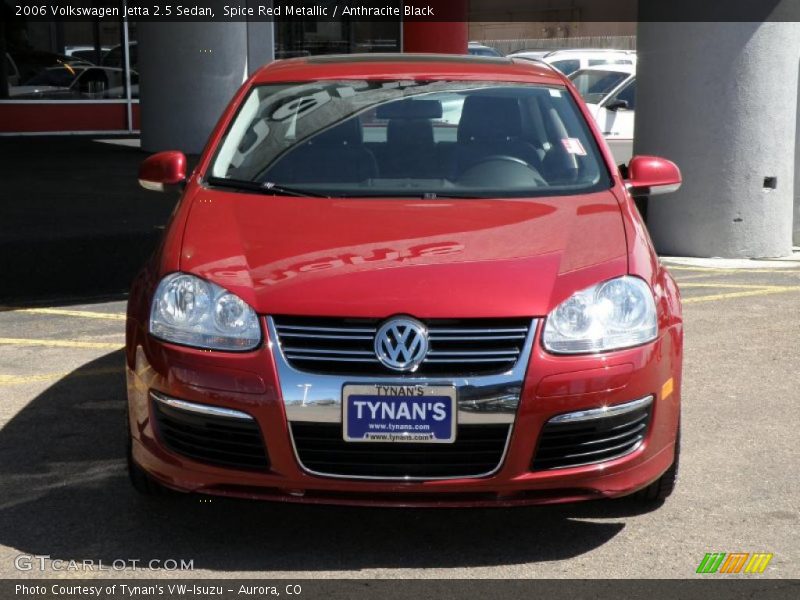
651, 175
162, 169
617, 104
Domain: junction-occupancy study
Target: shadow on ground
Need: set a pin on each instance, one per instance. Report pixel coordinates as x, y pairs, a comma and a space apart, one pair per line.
65, 494
73, 220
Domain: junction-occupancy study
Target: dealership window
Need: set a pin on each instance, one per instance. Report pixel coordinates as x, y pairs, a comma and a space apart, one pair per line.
67, 76
42, 56
83, 77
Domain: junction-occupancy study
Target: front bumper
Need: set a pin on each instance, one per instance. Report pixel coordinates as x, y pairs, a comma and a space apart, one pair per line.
552, 385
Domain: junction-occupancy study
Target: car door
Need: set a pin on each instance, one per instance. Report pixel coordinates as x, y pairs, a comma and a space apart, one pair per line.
615, 116
11, 71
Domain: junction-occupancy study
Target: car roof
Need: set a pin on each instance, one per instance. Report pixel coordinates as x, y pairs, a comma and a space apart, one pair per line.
592, 51
407, 66
541, 52
614, 68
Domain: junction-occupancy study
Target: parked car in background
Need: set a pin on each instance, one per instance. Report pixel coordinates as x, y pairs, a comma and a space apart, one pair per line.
23, 65
81, 82
531, 53
12, 73
478, 49
610, 94
435, 313
570, 60
115, 58
87, 53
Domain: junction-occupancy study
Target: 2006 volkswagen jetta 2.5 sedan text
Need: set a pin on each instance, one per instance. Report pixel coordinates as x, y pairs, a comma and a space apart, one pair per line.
406, 280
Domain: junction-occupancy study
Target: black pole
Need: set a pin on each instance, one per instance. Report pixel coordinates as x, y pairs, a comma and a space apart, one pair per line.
96, 33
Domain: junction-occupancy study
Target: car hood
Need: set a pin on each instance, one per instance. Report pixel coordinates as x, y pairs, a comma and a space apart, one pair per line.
378, 257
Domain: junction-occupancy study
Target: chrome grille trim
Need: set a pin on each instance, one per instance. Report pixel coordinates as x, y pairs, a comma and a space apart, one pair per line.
482, 331
348, 330
323, 336
203, 409
602, 412
456, 349
457, 338
474, 353
341, 359
312, 351
317, 397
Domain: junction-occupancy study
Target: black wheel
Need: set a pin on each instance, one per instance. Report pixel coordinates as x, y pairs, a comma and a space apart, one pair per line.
662, 488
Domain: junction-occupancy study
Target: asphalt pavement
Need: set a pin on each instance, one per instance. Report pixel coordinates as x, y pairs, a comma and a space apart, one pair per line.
64, 493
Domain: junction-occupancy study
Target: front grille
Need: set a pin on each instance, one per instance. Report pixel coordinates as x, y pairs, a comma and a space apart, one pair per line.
216, 440
478, 450
570, 444
457, 347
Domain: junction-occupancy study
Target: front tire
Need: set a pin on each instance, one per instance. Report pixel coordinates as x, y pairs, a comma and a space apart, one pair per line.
140, 480
662, 488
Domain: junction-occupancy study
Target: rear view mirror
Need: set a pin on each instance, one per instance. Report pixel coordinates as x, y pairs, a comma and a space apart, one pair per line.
162, 169
651, 175
617, 104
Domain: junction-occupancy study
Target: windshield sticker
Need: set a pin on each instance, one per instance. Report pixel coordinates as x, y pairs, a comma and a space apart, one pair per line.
555, 93
573, 146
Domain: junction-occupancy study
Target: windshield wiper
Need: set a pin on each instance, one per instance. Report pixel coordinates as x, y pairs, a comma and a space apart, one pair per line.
268, 187
420, 195
453, 196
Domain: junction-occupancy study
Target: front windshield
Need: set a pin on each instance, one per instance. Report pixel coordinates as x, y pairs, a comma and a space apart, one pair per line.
594, 85
410, 138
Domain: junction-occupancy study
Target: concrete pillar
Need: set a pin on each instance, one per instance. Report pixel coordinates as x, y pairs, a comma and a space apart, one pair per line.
720, 99
189, 72
796, 234
260, 41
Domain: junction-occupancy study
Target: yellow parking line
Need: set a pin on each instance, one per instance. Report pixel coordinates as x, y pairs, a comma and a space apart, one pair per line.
732, 271
22, 379
745, 286
64, 312
765, 291
682, 278
61, 343
709, 270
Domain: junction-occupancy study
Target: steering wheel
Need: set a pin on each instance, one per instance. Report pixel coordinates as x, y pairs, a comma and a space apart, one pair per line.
503, 168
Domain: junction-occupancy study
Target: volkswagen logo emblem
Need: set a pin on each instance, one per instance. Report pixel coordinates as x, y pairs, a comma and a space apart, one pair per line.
401, 344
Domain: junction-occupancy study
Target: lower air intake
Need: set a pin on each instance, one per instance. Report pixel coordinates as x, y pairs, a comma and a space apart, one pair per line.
478, 450
593, 436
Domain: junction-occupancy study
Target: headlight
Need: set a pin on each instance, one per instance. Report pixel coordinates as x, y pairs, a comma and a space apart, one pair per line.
191, 311
616, 314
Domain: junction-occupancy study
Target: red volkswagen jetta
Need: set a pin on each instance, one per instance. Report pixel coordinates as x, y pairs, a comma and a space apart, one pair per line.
407, 280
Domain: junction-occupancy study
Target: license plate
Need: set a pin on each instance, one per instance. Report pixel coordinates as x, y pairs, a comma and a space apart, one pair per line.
399, 413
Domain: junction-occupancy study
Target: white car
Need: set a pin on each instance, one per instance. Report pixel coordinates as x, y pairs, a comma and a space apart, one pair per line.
569, 61
610, 95
478, 49
76, 83
86, 53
